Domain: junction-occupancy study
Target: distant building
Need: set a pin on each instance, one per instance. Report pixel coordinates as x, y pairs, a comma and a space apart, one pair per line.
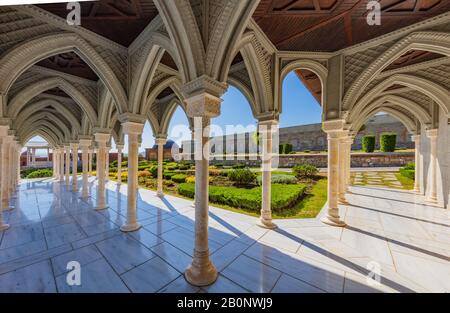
311, 137
151, 154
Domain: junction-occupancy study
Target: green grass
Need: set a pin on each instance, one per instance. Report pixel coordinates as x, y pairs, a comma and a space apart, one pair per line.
310, 205
406, 182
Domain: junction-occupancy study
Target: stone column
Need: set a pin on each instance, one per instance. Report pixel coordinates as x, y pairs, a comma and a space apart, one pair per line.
416, 139
28, 157
33, 155
335, 133
432, 195
74, 147
133, 130
119, 163
107, 163
160, 141
266, 130
203, 103
11, 167
90, 162
61, 164
5, 173
343, 157
67, 149
101, 139
84, 145
348, 165
19, 150
3, 145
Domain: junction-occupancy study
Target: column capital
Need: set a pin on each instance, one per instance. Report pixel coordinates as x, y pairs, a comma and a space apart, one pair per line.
132, 118
119, 146
204, 85
203, 105
268, 126
160, 141
335, 129
85, 143
4, 130
132, 128
416, 137
74, 145
432, 133
102, 138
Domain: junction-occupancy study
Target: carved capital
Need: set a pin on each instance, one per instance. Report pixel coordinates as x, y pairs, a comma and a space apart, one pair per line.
132, 118
3, 131
85, 143
432, 133
102, 138
334, 126
203, 105
132, 128
204, 84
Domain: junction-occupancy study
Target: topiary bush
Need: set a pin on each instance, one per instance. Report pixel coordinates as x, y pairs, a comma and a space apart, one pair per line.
168, 175
154, 171
242, 176
305, 171
179, 178
40, 173
238, 166
285, 148
388, 142
368, 143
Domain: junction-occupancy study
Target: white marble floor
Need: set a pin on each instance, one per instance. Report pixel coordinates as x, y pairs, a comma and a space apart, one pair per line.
389, 232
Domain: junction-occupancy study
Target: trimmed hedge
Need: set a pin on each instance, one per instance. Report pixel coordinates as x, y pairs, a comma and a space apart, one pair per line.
409, 171
283, 196
40, 173
168, 175
179, 178
368, 143
238, 166
285, 148
388, 142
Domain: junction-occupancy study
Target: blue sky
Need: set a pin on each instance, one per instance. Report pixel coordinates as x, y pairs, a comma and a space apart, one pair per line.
299, 108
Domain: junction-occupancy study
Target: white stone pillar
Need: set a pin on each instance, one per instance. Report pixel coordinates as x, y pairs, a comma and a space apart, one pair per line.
33, 155
19, 150
84, 145
160, 142
101, 139
203, 105
74, 147
28, 157
3, 145
107, 163
266, 130
348, 167
67, 167
90, 162
343, 170
133, 130
417, 172
61, 164
5, 174
119, 163
11, 168
335, 133
432, 195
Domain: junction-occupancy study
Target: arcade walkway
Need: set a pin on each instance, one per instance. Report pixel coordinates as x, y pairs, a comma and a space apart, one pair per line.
51, 227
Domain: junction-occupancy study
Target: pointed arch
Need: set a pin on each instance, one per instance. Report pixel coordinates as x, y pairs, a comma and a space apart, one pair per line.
20, 58
53, 141
168, 114
434, 91
28, 93
436, 42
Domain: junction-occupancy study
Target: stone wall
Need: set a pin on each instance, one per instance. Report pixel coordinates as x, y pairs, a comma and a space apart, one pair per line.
395, 159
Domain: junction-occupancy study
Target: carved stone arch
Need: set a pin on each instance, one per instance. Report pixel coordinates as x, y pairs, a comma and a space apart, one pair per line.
183, 30
310, 65
47, 117
406, 120
86, 127
172, 82
28, 93
226, 35
153, 121
168, 114
149, 60
105, 103
436, 42
260, 78
391, 100
434, 91
39, 132
246, 92
43, 124
23, 56
41, 104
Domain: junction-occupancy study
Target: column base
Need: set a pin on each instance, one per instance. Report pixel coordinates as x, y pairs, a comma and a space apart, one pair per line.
4, 227
201, 276
160, 194
101, 208
127, 228
343, 202
266, 224
431, 201
333, 221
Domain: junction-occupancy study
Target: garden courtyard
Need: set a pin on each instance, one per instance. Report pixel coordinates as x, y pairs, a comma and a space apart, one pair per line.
390, 230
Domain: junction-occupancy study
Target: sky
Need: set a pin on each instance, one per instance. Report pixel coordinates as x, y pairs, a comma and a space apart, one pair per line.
299, 107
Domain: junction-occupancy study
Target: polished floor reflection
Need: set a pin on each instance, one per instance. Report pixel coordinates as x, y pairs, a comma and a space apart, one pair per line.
390, 236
